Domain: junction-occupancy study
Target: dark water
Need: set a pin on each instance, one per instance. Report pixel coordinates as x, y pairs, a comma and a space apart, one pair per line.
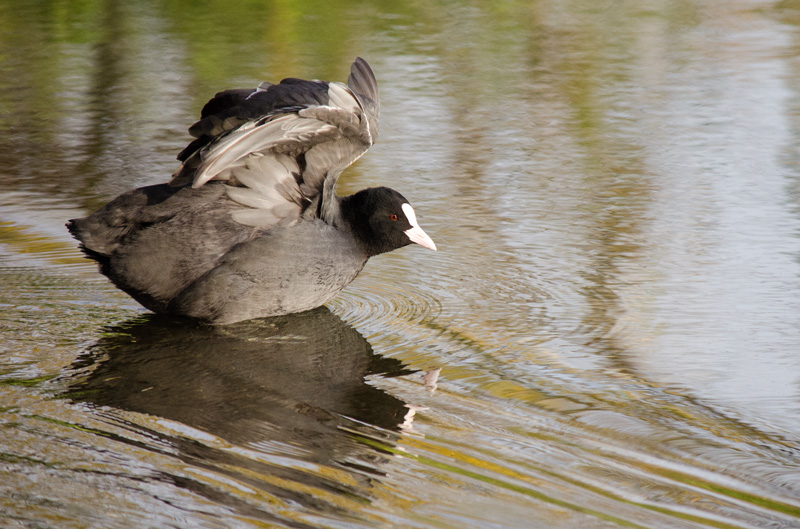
609, 335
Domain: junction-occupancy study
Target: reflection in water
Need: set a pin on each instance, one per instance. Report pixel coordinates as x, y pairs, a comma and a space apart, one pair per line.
286, 387
615, 307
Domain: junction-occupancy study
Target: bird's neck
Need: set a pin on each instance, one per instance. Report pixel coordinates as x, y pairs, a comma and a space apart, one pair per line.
354, 215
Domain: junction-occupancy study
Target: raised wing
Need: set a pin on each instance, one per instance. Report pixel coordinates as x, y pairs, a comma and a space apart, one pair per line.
280, 148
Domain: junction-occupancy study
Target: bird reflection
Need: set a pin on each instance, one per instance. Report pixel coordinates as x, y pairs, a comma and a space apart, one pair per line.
292, 385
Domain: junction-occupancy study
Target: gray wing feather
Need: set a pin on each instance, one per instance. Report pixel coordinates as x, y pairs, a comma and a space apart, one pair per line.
285, 134
272, 199
326, 161
363, 83
279, 164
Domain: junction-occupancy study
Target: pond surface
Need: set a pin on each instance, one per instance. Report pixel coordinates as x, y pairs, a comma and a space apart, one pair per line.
609, 335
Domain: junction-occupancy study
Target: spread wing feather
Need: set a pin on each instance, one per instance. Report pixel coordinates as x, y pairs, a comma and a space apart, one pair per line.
280, 148
363, 83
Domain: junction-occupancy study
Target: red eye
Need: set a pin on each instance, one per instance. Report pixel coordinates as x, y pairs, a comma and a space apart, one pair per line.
394, 217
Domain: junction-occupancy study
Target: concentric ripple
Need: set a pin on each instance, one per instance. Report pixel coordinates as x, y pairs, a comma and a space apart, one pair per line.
389, 306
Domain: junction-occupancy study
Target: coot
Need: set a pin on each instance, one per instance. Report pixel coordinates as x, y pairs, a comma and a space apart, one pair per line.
250, 224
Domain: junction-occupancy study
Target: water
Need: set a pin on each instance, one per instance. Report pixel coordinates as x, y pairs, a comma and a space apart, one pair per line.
608, 336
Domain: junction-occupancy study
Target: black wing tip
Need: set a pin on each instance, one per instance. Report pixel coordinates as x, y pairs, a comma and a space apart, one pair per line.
363, 83
361, 69
361, 62
362, 79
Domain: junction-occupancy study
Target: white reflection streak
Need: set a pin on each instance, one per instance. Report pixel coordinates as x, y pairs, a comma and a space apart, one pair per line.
407, 426
431, 377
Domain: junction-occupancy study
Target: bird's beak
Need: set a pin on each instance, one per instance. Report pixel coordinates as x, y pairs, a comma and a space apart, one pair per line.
420, 237
415, 233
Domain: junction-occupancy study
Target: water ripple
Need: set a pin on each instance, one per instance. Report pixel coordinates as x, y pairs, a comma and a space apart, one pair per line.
386, 305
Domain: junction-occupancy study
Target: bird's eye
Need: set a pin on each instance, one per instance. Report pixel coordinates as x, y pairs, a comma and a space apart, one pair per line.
394, 217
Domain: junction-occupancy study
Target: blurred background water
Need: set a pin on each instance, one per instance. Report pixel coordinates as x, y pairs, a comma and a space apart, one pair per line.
613, 315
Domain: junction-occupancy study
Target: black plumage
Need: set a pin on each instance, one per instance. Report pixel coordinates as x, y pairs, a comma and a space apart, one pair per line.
250, 224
